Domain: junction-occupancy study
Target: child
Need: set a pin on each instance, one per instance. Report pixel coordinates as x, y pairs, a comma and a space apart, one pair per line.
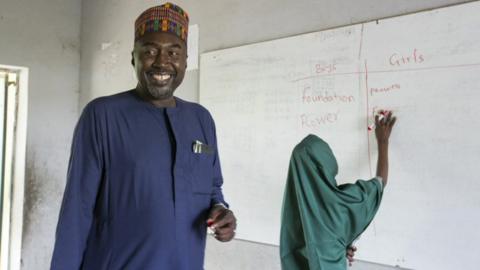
320, 219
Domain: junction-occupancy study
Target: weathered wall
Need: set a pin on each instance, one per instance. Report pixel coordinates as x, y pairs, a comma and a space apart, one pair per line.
222, 24
44, 35
245, 255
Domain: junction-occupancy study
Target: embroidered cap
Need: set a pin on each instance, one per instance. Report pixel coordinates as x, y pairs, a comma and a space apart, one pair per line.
168, 18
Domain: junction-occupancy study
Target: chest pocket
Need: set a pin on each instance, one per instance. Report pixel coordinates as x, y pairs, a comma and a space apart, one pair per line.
202, 173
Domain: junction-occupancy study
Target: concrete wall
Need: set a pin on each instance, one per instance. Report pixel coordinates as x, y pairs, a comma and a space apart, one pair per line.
245, 255
44, 35
222, 24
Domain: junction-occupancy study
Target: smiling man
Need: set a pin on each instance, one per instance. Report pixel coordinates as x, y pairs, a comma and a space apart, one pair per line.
144, 176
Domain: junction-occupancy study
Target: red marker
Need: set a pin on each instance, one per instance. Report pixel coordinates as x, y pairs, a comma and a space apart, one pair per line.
382, 115
211, 230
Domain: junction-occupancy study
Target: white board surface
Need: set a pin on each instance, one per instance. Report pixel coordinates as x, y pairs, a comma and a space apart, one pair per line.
425, 67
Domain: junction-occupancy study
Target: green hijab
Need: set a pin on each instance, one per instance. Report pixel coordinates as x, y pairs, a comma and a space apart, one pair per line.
320, 219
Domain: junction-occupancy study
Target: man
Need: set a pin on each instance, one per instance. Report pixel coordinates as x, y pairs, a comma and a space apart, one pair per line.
144, 176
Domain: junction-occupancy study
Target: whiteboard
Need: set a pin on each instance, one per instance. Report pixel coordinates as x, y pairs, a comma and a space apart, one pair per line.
425, 67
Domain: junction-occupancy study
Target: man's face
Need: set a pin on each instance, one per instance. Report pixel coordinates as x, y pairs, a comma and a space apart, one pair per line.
160, 61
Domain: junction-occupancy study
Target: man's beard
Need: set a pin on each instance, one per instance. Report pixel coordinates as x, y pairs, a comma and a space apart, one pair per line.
158, 92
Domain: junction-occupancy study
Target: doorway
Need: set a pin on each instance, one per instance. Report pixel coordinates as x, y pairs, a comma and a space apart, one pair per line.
13, 120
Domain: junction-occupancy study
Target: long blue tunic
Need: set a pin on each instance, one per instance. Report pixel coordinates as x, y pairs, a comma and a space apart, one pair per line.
137, 196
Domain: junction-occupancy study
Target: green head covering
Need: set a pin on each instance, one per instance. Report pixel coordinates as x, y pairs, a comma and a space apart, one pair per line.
320, 219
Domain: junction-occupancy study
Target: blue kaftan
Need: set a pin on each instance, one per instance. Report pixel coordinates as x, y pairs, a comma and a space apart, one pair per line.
137, 196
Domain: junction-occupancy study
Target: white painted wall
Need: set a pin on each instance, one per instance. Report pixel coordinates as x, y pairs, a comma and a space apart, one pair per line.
44, 35
244, 255
222, 24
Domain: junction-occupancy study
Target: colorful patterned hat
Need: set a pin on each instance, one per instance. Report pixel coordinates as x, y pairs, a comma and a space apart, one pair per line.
168, 18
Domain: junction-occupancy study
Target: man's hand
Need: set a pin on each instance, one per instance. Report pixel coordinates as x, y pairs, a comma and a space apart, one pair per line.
222, 221
350, 253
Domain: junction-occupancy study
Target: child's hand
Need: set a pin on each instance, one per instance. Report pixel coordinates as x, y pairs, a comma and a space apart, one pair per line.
350, 254
383, 126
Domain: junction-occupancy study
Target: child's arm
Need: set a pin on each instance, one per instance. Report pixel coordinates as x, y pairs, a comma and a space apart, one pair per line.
383, 128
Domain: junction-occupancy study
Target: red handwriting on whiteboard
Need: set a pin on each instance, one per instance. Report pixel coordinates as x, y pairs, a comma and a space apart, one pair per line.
383, 90
325, 68
398, 60
310, 96
316, 120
